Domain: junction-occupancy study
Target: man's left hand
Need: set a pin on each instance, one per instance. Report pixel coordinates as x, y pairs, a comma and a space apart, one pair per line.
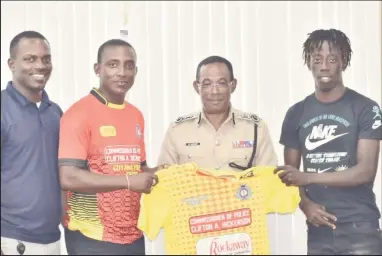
162, 166
292, 176
155, 169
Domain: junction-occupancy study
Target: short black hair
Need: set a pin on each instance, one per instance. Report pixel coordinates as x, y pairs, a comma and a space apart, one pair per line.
112, 42
334, 37
214, 59
25, 34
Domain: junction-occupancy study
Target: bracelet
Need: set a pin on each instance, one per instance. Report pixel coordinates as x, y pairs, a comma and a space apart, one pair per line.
128, 181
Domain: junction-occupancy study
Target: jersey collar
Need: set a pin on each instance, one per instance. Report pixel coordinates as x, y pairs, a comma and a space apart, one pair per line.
104, 101
229, 175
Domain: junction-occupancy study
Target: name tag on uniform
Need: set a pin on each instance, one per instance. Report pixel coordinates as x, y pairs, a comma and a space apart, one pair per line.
190, 144
242, 143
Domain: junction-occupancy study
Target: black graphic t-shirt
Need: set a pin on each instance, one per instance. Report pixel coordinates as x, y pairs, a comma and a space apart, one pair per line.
327, 135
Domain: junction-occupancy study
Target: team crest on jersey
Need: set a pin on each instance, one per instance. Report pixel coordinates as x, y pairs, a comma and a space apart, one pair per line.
244, 192
138, 130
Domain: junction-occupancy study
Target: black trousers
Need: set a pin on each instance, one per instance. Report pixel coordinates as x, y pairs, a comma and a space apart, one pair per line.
354, 238
78, 244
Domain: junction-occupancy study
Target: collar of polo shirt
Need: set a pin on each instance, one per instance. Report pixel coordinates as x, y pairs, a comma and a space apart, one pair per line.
21, 99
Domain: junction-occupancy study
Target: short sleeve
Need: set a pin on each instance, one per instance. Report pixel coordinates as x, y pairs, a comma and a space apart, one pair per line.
266, 152
370, 122
74, 140
155, 210
4, 125
3, 133
143, 144
279, 198
168, 154
289, 131
60, 111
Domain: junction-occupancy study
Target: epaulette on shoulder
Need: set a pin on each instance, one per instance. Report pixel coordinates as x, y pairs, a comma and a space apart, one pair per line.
250, 117
186, 118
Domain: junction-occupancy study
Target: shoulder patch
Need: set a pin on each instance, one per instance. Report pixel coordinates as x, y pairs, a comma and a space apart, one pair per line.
250, 117
185, 118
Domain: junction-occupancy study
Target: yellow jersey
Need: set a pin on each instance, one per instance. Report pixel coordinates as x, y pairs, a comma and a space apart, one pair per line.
214, 212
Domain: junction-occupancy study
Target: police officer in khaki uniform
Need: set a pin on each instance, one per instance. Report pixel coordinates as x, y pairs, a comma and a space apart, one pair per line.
219, 136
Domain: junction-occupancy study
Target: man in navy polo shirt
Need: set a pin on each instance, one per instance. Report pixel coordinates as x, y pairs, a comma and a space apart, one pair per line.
30, 190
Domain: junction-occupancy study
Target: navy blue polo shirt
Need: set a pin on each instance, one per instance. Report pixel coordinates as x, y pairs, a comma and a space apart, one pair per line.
30, 188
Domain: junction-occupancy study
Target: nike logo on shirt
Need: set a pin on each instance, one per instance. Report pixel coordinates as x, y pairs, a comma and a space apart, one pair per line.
376, 124
313, 145
324, 170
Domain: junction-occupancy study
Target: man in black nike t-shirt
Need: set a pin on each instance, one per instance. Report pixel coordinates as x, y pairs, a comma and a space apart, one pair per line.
337, 132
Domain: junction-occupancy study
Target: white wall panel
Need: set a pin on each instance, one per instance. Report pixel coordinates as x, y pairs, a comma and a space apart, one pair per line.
263, 40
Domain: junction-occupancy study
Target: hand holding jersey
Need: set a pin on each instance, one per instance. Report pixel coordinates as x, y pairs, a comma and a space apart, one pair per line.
103, 203
145, 180
142, 182
291, 176
155, 169
315, 213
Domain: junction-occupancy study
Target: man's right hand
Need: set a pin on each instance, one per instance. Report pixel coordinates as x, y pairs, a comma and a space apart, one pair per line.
143, 182
316, 214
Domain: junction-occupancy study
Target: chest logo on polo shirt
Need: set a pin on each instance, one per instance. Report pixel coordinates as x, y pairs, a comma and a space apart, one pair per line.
108, 131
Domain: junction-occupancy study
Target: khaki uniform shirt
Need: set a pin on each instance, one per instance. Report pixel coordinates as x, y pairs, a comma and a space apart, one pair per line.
192, 138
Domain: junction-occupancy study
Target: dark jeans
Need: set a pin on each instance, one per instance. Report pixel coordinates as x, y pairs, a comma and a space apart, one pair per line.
354, 238
78, 244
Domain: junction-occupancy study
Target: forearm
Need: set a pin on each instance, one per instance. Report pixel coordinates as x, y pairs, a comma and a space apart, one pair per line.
145, 168
303, 196
81, 181
351, 177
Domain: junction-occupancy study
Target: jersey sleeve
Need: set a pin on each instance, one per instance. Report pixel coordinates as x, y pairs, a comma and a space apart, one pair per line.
143, 144
74, 140
370, 122
289, 131
155, 210
279, 198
